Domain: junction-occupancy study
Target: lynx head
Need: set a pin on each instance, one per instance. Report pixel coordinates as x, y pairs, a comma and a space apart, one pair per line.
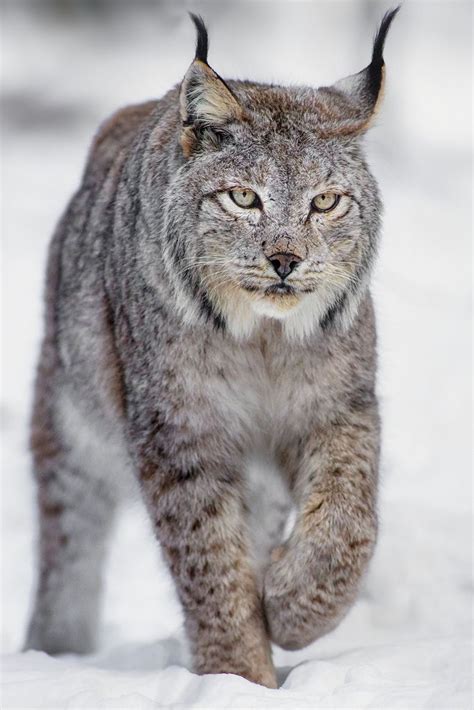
278, 214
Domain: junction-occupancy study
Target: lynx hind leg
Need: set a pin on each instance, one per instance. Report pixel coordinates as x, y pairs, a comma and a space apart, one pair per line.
76, 509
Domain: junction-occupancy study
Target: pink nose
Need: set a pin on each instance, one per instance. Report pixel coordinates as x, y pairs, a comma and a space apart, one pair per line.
284, 263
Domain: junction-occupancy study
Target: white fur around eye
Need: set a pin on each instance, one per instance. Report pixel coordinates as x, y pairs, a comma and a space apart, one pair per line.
325, 201
251, 214
244, 197
340, 208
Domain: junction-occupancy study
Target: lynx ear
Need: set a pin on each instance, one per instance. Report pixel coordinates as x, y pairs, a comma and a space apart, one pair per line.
358, 97
205, 99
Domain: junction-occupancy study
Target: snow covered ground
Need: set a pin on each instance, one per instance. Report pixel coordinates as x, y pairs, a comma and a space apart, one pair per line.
407, 643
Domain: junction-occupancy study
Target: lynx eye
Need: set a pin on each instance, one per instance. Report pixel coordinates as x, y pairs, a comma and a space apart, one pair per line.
245, 198
325, 202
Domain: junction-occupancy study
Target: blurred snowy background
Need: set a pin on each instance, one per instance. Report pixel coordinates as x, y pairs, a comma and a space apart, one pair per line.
407, 642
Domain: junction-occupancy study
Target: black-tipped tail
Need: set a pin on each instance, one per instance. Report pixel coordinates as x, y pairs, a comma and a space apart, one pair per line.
375, 66
202, 41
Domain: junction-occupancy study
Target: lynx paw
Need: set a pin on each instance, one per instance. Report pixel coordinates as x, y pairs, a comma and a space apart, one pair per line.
298, 609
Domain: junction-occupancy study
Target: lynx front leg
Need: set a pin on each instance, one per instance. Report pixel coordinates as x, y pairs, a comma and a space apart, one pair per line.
314, 578
199, 522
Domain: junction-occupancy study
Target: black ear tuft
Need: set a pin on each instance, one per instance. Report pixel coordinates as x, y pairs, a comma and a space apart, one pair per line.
202, 42
375, 66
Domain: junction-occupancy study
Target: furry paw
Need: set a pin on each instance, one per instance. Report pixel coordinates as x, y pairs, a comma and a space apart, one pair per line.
298, 607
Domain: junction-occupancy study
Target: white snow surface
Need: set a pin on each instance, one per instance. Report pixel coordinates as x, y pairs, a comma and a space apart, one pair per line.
407, 643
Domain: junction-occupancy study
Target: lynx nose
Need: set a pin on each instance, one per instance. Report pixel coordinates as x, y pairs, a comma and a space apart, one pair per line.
284, 263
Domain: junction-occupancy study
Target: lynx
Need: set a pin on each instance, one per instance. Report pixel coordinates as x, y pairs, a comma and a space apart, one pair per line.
208, 307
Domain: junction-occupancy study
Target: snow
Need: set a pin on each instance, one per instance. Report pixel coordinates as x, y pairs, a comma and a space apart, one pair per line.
407, 643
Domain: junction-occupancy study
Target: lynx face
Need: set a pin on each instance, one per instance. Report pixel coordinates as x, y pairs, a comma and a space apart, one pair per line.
285, 246
279, 209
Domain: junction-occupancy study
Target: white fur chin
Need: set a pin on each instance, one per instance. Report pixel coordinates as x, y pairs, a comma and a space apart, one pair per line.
298, 321
271, 309
301, 320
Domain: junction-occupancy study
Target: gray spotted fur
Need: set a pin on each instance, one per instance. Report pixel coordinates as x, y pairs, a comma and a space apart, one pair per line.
165, 359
